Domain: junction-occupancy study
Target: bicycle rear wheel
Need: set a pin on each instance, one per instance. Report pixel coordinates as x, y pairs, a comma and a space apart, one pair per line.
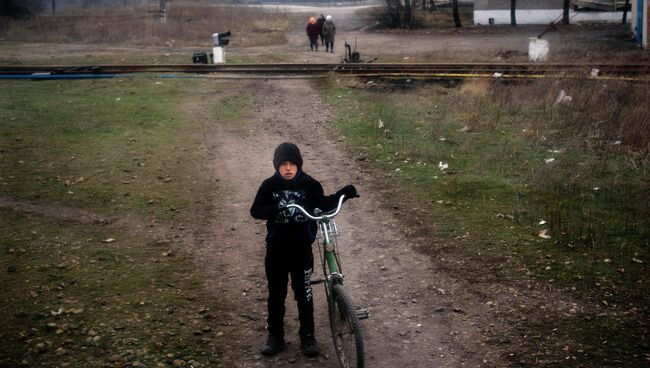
346, 330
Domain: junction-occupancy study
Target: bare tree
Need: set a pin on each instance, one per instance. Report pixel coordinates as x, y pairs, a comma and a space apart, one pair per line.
627, 4
456, 13
408, 13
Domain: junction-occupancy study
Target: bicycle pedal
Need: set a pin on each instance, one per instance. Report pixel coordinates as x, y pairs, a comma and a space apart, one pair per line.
362, 313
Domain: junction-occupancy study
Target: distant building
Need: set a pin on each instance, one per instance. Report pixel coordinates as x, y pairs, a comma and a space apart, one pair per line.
547, 11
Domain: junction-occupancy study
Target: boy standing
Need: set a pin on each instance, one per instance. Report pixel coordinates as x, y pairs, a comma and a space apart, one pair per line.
288, 242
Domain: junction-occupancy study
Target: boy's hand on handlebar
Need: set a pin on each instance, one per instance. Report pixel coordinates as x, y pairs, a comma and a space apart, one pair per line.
349, 191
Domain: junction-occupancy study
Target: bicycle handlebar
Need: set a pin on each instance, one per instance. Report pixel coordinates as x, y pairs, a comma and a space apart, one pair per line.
325, 216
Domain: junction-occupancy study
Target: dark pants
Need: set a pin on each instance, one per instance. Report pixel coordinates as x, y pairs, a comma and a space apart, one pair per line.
280, 263
313, 43
329, 46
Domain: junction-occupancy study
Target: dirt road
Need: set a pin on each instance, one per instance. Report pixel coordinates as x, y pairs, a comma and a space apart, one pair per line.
417, 317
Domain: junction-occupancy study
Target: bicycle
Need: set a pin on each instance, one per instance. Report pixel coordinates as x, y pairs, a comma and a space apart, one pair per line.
344, 318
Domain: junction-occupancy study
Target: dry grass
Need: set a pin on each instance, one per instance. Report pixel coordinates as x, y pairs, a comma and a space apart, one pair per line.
187, 23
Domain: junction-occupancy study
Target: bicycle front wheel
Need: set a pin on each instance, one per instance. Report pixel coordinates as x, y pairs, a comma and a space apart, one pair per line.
346, 330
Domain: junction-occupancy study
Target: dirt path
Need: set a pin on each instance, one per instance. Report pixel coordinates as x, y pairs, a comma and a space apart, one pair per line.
419, 316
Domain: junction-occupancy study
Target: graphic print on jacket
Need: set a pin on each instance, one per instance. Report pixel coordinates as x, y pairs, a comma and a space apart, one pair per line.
289, 215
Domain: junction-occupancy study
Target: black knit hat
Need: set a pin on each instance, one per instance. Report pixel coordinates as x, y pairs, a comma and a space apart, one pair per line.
287, 152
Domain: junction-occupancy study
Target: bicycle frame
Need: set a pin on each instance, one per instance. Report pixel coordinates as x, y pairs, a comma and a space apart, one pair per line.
328, 232
344, 317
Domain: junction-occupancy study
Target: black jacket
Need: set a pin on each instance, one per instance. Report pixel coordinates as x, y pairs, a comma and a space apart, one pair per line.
289, 227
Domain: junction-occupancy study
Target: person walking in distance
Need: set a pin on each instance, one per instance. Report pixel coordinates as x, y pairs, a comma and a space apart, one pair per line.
288, 243
329, 31
320, 21
313, 31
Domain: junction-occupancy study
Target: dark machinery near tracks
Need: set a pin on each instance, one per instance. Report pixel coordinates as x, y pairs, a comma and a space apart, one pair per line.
351, 56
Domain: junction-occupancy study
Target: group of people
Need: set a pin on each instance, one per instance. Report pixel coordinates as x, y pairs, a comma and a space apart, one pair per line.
324, 28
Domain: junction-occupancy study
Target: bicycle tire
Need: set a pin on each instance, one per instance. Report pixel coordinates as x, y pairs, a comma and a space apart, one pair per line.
346, 330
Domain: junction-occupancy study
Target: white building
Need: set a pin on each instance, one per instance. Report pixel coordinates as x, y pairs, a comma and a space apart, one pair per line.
539, 12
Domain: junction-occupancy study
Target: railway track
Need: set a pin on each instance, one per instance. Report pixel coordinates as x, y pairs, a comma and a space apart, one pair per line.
637, 71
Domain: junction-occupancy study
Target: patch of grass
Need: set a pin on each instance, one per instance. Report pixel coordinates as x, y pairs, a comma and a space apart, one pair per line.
616, 342
69, 297
124, 147
113, 143
264, 58
188, 23
566, 192
231, 109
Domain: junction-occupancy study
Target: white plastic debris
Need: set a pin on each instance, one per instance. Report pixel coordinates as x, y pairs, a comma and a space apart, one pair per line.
538, 49
380, 125
442, 166
542, 222
549, 160
497, 75
595, 72
562, 99
544, 234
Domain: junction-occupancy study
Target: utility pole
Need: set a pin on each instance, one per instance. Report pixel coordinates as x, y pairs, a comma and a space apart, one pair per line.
457, 22
163, 11
513, 12
627, 3
53, 7
565, 13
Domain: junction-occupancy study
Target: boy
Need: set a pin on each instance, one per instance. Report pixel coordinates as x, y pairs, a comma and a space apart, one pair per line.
288, 242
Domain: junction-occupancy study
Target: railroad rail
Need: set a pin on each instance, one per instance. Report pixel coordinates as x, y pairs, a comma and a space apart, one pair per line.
530, 70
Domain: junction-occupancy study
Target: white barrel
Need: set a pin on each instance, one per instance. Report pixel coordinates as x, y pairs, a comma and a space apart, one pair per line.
218, 55
537, 49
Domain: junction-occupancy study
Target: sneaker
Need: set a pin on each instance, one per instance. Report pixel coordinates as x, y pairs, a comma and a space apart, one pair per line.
273, 345
308, 345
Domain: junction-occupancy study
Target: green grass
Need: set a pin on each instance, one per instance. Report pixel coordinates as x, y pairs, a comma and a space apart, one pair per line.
125, 149
119, 57
501, 190
71, 297
102, 143
231, 110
